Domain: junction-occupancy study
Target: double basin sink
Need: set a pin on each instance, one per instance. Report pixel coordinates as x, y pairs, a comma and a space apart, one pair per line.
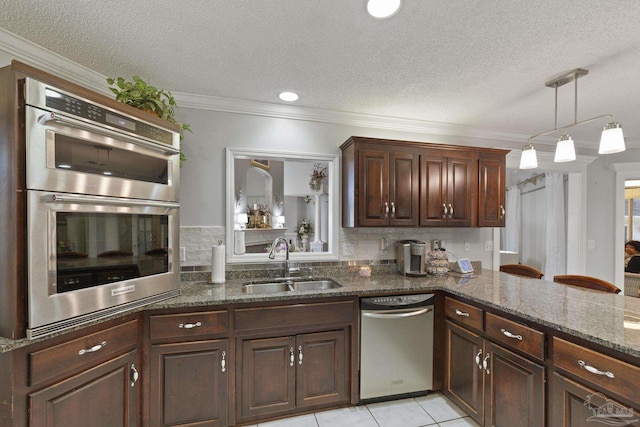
290, 285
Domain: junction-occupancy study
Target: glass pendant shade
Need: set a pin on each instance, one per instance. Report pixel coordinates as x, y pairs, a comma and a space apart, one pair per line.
382, 8
528, 158
612, 139
565, 151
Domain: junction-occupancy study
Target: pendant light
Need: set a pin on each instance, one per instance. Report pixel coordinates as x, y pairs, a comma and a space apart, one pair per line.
528, 159
611, 140
565, 151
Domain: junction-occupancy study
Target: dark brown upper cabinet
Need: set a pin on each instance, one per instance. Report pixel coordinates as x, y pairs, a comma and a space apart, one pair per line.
389, 183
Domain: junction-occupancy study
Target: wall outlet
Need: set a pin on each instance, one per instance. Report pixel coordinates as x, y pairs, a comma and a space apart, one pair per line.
488, 245
183, 253
591, 244
435, 245
467, 246
347, 249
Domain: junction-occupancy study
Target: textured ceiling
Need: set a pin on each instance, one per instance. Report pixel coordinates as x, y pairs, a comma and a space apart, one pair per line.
476, 63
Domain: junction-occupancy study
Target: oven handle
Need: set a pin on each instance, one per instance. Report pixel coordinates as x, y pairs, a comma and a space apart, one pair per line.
67, 198
58, 118
396, 314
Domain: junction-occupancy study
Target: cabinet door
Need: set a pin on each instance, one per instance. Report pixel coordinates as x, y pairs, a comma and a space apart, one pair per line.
403, 189
433, 189
321, 369
463, 381
461, 192
373, 188
266, 381
514, 389
575, 405
102, 396
188, 384
491, 198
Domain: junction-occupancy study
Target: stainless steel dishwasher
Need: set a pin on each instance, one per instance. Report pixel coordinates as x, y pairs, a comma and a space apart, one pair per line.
396, 345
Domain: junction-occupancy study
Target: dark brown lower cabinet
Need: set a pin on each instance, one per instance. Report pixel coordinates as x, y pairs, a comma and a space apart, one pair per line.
280, 375
573, 404
188, 384
494, 385
101, 396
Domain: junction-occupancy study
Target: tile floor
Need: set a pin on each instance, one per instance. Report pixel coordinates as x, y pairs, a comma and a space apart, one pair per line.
431, 410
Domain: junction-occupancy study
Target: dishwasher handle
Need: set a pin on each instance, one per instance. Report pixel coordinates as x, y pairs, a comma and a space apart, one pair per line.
396, 314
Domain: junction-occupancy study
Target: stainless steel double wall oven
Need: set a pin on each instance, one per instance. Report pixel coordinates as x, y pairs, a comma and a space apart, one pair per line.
102, 209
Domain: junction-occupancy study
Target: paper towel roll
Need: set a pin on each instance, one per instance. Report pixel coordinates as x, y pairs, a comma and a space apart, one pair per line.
217, 264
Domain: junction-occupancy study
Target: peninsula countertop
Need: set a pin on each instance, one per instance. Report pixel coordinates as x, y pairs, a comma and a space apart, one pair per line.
607, 319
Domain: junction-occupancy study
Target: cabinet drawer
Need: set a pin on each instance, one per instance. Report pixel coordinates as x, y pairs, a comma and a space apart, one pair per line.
188, 324
515, 335
607, 373
463, 313
80, 353
288, 316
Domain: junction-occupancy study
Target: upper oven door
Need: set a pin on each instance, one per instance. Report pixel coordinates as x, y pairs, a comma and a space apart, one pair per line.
68, 153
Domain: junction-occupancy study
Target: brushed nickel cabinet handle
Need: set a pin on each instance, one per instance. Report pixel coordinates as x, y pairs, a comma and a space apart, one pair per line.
450, 211
223, 362
503, 212
510, 335
596, 371
485, 363
299, 355
386, 209
444, 210
93, 349
189, 325
133, 375
478, 359
291, 356
461, 313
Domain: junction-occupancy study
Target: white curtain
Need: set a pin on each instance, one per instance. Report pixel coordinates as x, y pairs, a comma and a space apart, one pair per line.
556, 246
512, 220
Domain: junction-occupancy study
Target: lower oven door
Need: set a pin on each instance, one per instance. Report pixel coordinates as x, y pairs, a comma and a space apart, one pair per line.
90, 257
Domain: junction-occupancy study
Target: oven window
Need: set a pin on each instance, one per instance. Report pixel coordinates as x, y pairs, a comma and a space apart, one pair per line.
83, 156
98, 248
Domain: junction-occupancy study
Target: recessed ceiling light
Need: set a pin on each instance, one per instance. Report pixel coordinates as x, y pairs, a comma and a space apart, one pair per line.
288, 96
383, 8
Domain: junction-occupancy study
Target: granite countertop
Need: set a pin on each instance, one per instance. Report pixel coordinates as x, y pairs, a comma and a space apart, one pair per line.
602, 318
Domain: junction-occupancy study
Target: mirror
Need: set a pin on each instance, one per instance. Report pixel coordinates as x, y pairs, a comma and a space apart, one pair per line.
281, 194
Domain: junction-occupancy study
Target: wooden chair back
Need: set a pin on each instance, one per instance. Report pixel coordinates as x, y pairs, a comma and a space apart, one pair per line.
587, 282
521, 270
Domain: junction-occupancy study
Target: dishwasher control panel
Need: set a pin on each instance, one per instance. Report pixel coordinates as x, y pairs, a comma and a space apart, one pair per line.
394, 301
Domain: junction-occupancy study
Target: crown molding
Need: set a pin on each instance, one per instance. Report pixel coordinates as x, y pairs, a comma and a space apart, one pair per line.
46, 60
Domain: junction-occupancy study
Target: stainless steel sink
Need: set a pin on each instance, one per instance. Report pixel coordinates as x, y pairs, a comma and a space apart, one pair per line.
265, 288
315, 285
290, 286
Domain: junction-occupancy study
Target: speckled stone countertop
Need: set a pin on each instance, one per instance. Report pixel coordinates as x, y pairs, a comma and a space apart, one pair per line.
607, 319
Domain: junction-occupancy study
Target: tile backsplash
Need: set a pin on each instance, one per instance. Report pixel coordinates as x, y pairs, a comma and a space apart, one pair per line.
372, 244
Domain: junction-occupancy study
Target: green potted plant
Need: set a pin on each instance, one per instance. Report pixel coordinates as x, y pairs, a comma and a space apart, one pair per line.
141, 95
